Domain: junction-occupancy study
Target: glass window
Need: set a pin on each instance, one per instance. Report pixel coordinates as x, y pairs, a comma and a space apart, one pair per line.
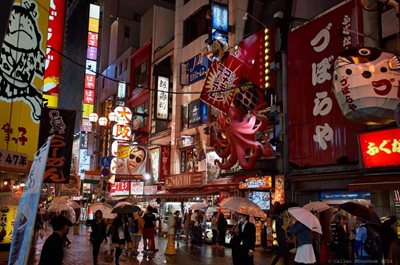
140, 75
195, 26
140, 116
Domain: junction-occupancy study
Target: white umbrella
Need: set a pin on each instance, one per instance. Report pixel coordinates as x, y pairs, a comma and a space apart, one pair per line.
316, 206
198, 206
74, 204
58, 207
243, 206
104, 208
306, 218
8, 199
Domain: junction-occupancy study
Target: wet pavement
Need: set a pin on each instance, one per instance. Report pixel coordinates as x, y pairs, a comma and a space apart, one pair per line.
80, 252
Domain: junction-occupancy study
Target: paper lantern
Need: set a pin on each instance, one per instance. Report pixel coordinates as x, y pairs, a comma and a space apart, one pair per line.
366, 85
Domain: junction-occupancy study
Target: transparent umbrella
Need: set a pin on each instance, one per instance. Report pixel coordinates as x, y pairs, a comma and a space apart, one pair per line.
243, 206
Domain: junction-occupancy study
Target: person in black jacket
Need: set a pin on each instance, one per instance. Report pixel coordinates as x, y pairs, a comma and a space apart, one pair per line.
246, 240
98, 234
117, 231
53, 248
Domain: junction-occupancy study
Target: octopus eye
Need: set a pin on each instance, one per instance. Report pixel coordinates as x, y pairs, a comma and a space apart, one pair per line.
349, 72
364, 52
383, 69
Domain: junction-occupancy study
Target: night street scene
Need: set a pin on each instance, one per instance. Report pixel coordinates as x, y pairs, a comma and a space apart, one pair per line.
200, 132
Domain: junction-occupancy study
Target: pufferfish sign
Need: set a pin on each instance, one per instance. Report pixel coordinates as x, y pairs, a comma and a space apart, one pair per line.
367, 85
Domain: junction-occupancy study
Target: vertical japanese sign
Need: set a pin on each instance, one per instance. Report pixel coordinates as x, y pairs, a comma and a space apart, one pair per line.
21, 76
319, 134
165, 162
25, 219
7, 219
55, 39
162, 98
60, 124
91, 60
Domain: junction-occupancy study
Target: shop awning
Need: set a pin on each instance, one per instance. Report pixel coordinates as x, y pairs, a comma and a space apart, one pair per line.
383, 182
185, 193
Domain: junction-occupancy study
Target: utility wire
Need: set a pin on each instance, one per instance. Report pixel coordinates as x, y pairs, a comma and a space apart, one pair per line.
132, 85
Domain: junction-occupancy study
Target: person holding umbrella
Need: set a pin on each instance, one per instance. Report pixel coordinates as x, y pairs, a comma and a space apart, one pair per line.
305, 223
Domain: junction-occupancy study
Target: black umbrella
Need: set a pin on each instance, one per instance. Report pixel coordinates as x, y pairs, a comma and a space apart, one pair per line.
361, 211
284, 207
389, 220
125, 208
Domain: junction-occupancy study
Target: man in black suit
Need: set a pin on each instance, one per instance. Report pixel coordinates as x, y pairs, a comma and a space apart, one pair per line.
245, 241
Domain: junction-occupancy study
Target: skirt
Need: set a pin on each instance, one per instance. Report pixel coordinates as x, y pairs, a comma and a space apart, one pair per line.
305, 254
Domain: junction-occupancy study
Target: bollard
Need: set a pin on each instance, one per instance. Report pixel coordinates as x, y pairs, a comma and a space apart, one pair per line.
170, 249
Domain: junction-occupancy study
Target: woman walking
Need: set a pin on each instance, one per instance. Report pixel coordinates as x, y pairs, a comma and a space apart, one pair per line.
98, 234
117, 231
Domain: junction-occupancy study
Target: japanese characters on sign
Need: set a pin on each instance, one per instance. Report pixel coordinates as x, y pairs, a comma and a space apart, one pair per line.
188, 179
149, 190
60, 124
13, 160
120, 188
7, 218
21, 74
197, 68
380, 148
162, 98
318, 132
55, 39
165, 162
263, 182
91, 60
137, 188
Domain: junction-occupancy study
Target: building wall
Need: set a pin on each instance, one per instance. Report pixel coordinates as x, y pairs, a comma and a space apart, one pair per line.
146, 26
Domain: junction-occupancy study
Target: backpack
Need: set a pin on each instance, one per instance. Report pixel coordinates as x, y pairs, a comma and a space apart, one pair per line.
373, 244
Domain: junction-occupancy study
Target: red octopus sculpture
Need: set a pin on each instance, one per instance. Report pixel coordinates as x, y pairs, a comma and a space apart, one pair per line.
237, 139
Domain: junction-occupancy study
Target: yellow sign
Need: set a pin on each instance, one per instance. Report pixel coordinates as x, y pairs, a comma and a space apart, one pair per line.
7, 217
21, 76
52, 101
87, 109
93, 25
123, 152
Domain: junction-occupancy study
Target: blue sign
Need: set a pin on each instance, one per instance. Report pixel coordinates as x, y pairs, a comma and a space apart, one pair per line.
344, 195
197, 68
105, 171
25, 219
105, 161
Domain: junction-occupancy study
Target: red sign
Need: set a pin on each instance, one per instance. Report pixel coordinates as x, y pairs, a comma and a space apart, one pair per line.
90, 81
264, 182
88, 96
55, 39
380, 148
257, 51
165, 162
222, 78
120, 188
318, 132
93, 39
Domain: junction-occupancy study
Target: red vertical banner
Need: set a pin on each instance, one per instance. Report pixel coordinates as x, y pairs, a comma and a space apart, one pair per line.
165, 162
318, 132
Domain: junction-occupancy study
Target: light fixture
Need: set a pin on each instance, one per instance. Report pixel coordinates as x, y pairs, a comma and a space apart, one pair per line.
22, 185
112, 116
147, 176
103, 121
93, 117
5, 183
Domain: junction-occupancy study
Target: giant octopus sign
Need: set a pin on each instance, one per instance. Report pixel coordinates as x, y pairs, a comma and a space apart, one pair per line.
232, 87
366, 85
